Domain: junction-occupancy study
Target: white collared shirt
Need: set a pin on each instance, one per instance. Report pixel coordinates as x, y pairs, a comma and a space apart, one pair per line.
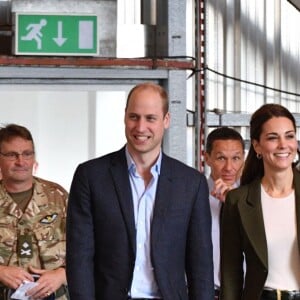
215, 209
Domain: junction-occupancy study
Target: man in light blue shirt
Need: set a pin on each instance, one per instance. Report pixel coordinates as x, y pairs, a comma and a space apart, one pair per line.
138, 219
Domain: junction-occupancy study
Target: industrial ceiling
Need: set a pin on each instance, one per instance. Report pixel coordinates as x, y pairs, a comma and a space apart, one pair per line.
296, 3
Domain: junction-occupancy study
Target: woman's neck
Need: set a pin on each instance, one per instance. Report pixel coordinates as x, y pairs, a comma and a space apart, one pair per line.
279, 184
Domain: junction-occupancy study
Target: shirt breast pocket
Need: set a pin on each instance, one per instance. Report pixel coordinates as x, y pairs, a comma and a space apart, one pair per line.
44, 233
51, 245
48, 228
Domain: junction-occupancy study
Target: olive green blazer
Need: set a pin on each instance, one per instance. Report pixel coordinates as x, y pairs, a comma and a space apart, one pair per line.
243, 235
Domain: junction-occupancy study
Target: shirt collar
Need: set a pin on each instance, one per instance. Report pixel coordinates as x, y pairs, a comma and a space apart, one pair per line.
132, 166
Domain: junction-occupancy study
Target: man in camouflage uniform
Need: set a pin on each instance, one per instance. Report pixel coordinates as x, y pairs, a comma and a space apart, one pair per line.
32, 222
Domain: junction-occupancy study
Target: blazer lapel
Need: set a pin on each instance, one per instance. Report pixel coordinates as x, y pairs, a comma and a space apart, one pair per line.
119, 172
253, 223
162, 199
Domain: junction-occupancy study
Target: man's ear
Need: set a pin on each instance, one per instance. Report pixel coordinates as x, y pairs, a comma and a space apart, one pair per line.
167, 120
207, 158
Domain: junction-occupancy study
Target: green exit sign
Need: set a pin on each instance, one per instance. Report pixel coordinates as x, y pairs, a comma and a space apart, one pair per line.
56, 34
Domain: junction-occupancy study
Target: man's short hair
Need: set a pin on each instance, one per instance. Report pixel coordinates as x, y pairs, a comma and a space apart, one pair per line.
154, 87
223, 133
11, 131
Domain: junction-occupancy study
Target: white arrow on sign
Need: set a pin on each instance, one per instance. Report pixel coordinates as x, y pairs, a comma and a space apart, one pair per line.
59, 40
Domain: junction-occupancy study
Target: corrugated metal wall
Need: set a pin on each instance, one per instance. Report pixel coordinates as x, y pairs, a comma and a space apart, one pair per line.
252, 57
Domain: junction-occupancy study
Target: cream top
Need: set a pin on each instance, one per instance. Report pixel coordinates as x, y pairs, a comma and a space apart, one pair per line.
281, 233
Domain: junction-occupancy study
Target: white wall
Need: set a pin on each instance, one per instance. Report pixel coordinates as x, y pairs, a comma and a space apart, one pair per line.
110, 131
68, 126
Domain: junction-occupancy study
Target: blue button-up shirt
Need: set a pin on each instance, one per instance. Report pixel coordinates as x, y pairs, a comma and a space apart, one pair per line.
143, 282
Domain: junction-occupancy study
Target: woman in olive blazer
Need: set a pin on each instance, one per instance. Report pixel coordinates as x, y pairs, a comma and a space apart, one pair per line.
243, 232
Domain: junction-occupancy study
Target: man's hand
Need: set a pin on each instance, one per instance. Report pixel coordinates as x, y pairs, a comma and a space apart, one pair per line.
220, 189
13, 277
49, 282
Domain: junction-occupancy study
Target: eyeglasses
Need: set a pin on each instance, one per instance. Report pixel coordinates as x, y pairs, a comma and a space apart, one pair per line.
12, 156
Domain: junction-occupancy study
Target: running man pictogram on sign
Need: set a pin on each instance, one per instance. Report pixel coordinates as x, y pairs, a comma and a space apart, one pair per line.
34, 33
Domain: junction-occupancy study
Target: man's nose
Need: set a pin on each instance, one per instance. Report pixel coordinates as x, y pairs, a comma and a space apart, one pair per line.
141, 124
228, 164
19, 157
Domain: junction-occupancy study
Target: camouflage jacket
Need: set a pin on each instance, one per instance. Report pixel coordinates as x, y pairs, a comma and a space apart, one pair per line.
36, 237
